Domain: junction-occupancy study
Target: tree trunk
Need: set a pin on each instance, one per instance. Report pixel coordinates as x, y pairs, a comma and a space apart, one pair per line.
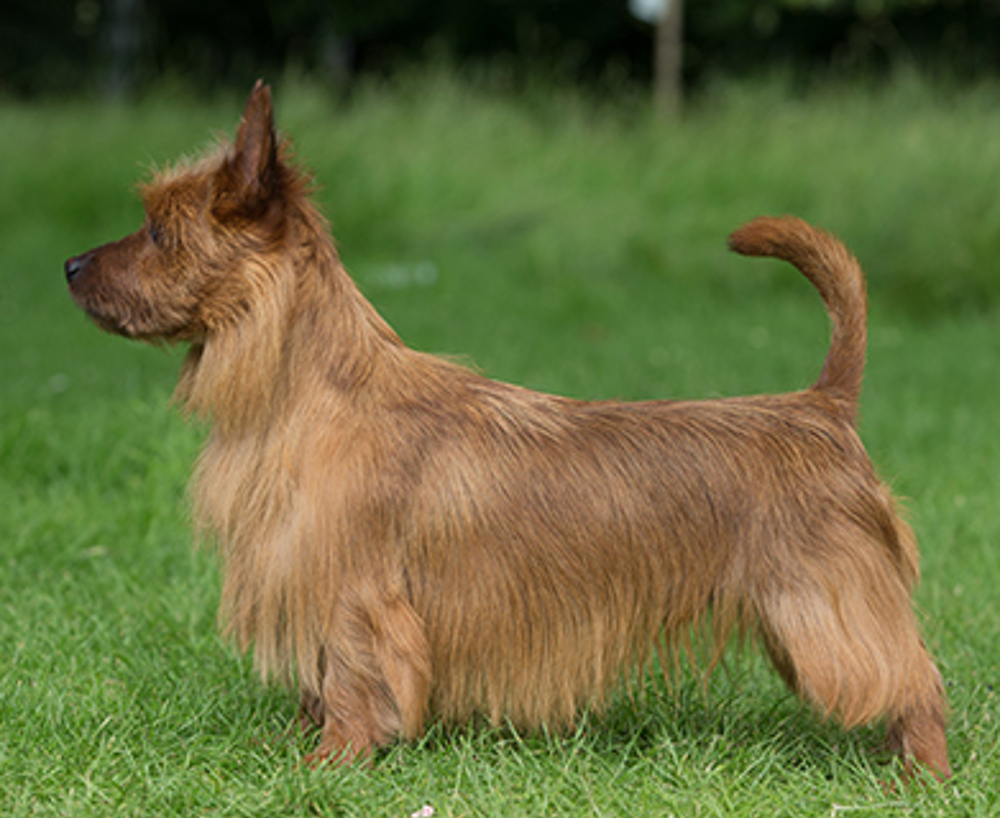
124, 43
668, 92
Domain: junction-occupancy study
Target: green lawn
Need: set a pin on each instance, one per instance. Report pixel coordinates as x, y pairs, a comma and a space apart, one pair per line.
567, 245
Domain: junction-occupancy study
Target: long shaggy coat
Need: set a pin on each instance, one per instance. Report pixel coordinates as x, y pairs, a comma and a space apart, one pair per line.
403, 538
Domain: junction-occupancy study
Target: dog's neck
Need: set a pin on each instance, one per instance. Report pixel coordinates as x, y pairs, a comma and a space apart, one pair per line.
246, 376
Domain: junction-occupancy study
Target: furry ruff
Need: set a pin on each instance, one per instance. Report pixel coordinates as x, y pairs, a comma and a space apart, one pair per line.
404, 539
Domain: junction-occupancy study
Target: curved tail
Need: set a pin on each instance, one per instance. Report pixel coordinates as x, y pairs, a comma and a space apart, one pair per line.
834, 271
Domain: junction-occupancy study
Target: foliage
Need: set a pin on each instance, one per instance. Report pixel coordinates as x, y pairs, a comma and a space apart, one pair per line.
67, 46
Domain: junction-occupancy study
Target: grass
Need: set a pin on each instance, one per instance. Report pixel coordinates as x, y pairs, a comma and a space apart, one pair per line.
564, 244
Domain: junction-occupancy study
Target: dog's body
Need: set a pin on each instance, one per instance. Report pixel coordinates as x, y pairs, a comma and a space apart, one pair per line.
408, 539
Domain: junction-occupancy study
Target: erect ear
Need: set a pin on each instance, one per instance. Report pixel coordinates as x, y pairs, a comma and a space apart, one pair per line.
248, 182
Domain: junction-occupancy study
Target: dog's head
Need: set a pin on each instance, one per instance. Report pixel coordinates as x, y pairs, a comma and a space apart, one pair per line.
195, 263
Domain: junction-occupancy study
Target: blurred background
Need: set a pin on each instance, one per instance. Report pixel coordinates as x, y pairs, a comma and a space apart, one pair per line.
119, 48
502, 187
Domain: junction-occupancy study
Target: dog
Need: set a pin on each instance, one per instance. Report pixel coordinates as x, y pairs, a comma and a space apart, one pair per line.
404, 539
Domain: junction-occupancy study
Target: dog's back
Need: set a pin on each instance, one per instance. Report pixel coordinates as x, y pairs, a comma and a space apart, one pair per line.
576, 535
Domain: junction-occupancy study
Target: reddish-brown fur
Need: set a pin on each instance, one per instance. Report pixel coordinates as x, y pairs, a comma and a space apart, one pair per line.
405, 539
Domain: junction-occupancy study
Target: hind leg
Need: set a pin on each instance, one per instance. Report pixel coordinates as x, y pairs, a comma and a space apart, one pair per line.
918, 735
845, 639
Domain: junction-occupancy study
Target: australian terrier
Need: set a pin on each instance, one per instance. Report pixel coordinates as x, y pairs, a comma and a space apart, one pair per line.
404, 539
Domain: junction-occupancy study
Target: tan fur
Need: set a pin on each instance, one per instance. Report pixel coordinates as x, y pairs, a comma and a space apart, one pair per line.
404, 539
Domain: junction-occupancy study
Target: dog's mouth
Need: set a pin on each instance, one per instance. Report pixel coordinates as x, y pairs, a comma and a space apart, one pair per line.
128, 320
108, 323
118, 315
106, 317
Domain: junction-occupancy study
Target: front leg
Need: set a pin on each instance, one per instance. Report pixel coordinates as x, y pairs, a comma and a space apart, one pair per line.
376, 677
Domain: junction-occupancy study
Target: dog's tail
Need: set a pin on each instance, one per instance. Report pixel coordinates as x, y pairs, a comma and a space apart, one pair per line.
834, 271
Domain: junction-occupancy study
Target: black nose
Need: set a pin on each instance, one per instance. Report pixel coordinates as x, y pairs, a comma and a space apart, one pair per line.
74, 267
